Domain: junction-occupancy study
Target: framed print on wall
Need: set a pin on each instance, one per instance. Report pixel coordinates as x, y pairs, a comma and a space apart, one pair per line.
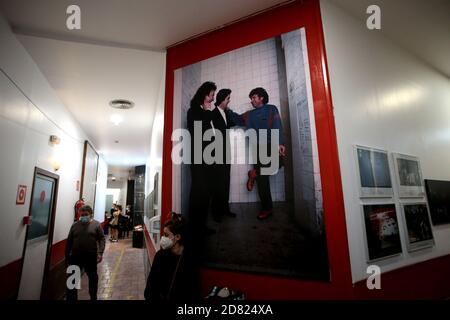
373, 172
382, 231
277, 64
409, 176
418, 226
89, 174
438, 195
315, 108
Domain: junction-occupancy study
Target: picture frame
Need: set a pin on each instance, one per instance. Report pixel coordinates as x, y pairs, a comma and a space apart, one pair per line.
417, 220
408, 176
374, 177
89, 174
438, 198
382, 232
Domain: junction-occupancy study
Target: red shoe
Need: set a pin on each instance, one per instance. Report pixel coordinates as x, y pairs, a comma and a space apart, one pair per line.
264, 215
251, 179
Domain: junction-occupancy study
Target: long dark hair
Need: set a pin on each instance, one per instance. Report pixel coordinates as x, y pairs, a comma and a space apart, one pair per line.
177, 225
202, 92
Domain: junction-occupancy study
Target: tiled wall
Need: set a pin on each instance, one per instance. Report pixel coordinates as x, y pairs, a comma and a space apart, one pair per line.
306, 174
242, 70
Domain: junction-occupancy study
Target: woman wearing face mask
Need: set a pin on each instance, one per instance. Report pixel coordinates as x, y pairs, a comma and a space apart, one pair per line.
173, 276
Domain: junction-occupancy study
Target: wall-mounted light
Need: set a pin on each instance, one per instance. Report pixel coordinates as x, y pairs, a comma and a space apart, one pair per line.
54, 140
55, 161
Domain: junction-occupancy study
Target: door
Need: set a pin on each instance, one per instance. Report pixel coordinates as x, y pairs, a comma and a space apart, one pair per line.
39, 235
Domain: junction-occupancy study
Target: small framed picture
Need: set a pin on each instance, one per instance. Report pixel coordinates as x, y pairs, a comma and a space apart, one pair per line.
374, 174
382, 231
418, 226
409, 176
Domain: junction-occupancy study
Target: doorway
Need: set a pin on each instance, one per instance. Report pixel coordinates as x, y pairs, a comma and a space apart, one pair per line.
39, 235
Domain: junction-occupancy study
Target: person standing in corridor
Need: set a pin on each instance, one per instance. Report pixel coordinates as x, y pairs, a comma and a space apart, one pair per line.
84, 248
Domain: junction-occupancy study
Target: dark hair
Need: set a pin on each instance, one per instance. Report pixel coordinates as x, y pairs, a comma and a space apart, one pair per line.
177, 225
119, 207
221, 95
86, 208
202, 92
260, 92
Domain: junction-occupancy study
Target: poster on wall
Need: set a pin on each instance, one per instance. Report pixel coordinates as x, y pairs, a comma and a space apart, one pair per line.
89, 174
374, 174
438, 195
408, 176
382, 231
418, 226
268, 223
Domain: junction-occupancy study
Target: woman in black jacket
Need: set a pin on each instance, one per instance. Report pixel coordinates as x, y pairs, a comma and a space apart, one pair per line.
173, 276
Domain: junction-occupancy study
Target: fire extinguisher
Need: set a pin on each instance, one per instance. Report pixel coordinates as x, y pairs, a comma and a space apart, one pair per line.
80, 203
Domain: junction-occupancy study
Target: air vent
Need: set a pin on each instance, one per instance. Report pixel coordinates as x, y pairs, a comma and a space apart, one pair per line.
121, 104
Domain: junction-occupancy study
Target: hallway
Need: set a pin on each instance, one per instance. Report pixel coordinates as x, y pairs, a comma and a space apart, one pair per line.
120, 274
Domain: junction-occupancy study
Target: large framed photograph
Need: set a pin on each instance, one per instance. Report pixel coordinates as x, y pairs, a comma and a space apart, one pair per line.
374, 174
418, 226
382, 231
290, 208
438, 195
89, 174
408, 175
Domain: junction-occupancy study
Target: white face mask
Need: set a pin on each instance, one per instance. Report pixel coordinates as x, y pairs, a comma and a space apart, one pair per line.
166, 243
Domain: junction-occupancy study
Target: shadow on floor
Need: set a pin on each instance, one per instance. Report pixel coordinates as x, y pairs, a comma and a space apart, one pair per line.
274, 246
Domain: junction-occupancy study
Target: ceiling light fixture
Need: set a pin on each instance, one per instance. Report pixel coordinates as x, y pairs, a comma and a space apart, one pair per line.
121, 104
116, 119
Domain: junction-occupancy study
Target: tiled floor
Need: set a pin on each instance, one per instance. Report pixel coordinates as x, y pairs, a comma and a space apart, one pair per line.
121, 273
273, 246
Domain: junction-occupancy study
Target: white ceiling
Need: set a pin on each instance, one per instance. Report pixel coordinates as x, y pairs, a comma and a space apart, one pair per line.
151, 24
120, 52
87, 77
420, 26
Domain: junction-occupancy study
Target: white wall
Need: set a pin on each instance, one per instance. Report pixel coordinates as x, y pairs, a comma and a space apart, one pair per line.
100, 191
154, 161
122, 185
385, 98
29, 113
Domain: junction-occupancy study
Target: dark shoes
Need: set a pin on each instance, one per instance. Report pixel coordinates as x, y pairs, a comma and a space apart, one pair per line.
251, 179
264, 214
218, 217
230, 214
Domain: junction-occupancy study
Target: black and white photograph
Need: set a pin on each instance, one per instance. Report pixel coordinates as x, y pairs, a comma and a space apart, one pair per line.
418, 225
409, 176
374, 174
438, 195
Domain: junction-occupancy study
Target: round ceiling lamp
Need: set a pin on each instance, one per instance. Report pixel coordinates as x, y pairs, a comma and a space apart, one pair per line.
121, 104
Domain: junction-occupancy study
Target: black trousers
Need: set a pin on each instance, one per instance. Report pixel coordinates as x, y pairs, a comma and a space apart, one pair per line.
199, 202
221, 189
88, 262
263, 182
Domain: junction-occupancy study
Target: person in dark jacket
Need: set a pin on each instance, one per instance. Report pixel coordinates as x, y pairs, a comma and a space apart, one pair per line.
221, 187
84, 248
173, 276
200, 115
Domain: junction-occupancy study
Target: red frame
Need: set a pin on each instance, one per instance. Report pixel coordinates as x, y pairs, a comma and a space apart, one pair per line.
254, 29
